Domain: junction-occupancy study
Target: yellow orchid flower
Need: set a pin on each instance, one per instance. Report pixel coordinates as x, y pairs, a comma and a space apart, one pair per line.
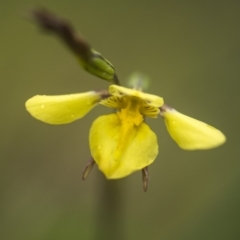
122, 143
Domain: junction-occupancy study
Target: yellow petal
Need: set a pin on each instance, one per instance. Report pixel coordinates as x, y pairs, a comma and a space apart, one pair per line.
191, 134
150, 99
63, 108
121, 148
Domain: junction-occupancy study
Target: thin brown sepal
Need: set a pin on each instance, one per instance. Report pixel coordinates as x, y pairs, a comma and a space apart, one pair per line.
145, 177
88, 169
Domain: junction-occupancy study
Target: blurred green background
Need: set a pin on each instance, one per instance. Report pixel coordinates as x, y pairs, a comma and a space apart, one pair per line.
191, 51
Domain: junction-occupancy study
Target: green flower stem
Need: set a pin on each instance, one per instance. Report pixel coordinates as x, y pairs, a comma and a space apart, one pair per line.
110, 220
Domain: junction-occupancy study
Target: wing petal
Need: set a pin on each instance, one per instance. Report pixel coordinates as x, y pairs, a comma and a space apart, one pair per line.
62, 109
191, 134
